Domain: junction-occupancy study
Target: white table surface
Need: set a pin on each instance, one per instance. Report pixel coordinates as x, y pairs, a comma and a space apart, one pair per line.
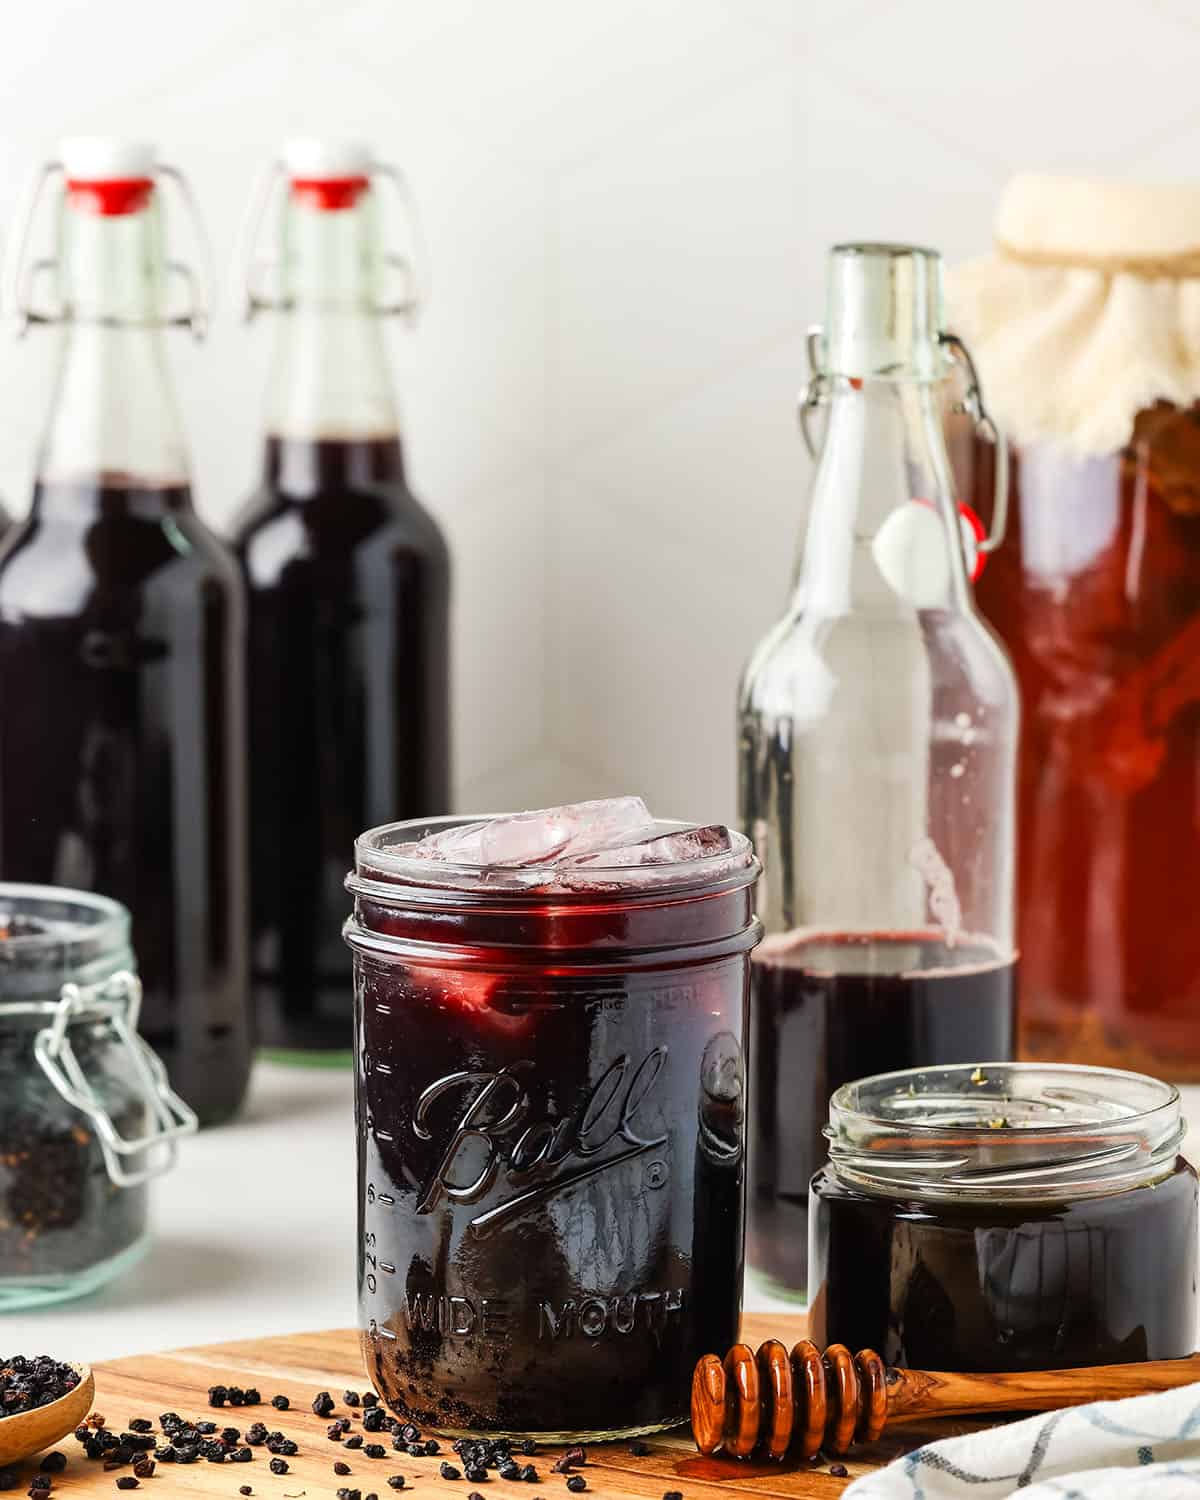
253, 1233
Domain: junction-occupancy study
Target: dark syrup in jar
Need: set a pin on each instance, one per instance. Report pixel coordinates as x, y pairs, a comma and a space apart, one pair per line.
551, 1185
1009, 1286
830, 1008
348, 583
122, 750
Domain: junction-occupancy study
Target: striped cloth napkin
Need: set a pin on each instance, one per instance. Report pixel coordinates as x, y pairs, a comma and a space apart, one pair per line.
1141, 1446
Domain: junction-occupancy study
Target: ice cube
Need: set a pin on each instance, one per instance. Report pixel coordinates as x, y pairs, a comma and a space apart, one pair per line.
461, 845
665, 848
528, 838
554, 832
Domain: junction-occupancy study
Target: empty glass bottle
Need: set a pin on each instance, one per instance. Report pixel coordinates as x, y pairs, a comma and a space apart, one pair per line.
878, 735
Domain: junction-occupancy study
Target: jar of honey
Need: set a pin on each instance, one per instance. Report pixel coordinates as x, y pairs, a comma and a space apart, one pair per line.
1006, 1217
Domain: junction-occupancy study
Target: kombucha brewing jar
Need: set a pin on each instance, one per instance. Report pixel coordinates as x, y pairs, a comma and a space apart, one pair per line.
348, 583
550, 1107
1019, 1216
122, 733
878, 741
1085, 320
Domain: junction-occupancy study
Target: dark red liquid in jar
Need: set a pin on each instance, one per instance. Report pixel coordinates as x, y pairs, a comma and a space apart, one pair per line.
827, 1009
551, 1156
1032, 1286
1096, 593
348, 584
122, 751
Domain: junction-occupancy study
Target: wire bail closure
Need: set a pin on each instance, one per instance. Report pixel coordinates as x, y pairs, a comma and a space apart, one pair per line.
23, 274
816, 391
257, 264
119, 999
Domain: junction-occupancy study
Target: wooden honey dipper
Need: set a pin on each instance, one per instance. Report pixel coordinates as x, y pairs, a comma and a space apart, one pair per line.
799, 1403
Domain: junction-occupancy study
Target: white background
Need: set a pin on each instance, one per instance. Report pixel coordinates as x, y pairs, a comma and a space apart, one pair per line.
627, 204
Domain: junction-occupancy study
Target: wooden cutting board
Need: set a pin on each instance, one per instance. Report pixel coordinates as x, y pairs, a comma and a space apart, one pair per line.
299, 1365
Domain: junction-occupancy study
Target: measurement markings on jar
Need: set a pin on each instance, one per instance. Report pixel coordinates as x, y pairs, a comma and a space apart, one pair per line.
373, 1196
376, 1332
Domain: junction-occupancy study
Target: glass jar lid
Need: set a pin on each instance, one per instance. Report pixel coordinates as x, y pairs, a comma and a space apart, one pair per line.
391, 852
1004, 1131
51, 936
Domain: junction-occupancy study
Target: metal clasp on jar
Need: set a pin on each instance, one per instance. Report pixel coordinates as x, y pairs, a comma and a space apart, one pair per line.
117, 1000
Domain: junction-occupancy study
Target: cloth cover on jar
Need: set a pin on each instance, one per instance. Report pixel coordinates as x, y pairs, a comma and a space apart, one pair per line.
1095, 284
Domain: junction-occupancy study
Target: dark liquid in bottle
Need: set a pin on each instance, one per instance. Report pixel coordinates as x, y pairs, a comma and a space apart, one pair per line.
1033, 1286
551, 1190
122, 751
828, 1009
348, 587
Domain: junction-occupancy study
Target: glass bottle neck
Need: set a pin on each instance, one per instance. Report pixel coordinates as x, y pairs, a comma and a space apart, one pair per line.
113, 417
302, 467
330, 379
883, 531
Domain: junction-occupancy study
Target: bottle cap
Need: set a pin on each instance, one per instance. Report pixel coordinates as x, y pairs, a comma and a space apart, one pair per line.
327, 174
106, 175
309, 157
885, 312
103, 158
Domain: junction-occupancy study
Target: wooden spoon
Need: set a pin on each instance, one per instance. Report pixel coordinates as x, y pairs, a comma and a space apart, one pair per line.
27, 1432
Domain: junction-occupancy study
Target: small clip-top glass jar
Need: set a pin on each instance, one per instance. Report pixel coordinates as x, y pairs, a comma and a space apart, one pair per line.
1010, 1216
551, 1115
86, 1116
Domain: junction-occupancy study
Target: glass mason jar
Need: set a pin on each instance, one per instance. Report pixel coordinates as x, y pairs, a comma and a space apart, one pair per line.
86, 1116
878, 741
1084, 326
1007, 1216
550, 1102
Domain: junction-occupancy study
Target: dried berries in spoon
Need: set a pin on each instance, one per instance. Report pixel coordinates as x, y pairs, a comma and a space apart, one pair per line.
27, 1383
